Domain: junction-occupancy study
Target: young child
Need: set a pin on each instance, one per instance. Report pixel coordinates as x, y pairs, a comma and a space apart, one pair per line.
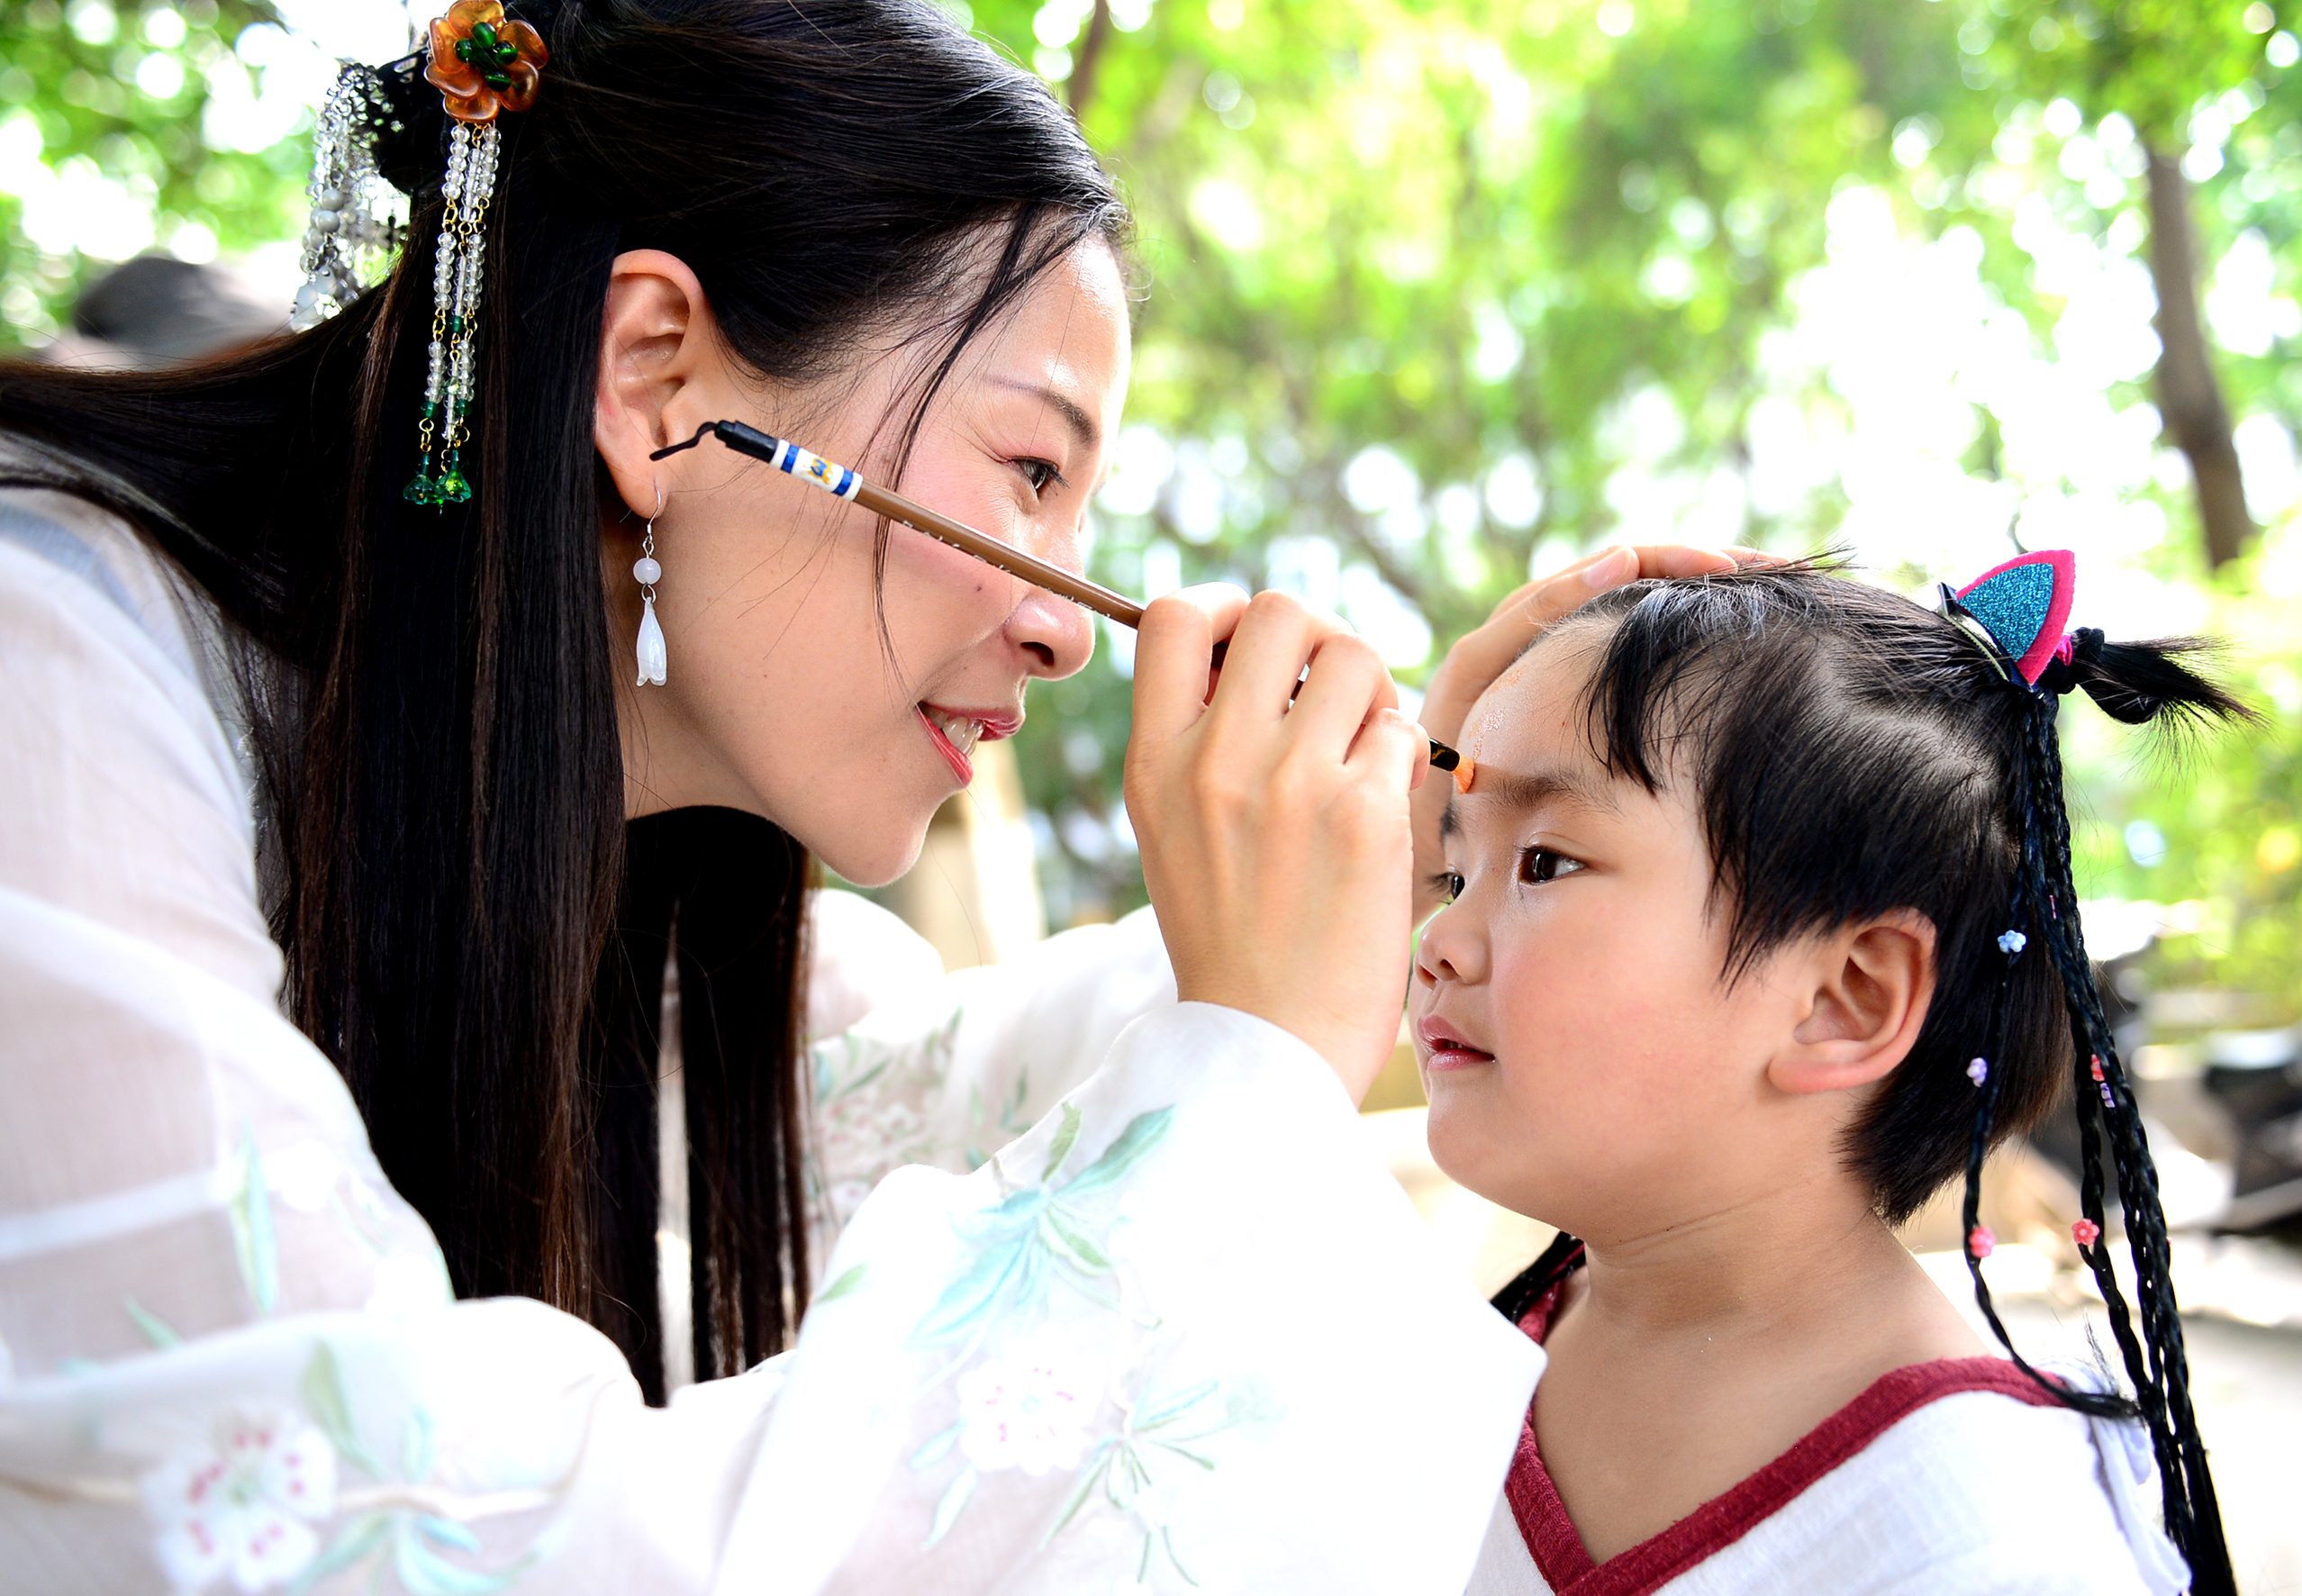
1761, 929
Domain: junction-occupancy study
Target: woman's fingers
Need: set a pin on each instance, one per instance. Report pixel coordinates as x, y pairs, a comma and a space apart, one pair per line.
1174, 648
1275, 640
1392, 750
1275, 833
1348, 683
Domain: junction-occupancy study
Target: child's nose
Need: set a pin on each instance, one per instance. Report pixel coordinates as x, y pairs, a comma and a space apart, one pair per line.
1445, 953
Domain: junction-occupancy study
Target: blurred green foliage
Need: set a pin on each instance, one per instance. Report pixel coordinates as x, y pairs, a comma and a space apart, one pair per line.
1440, 292
2210, 823
117, 93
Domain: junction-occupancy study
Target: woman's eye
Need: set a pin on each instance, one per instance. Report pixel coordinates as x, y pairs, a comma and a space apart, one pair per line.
1040, 474
1539, 865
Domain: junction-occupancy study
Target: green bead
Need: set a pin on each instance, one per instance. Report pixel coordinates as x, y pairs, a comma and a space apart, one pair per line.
496, 80
419, 490
453, 488
484, 35
432, 412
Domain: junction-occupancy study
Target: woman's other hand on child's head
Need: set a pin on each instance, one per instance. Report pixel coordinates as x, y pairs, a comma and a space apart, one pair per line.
1478, 658
1590, 1059
1274, 823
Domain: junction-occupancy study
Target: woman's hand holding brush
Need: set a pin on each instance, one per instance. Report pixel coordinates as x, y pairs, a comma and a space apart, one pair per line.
1273, 818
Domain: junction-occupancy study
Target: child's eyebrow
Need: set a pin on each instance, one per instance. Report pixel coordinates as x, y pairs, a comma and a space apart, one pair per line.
1518, 790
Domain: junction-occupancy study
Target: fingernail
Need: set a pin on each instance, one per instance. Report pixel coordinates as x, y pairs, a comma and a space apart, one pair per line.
1610, 568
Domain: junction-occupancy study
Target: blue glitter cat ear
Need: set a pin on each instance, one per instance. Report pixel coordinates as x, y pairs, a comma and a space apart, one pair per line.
2025, 604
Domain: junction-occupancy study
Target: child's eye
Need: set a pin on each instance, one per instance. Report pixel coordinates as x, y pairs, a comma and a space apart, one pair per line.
1039, 473
1450, 885
1539, 865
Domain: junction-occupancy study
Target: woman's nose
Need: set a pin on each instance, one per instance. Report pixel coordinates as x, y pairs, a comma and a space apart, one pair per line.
1055, 635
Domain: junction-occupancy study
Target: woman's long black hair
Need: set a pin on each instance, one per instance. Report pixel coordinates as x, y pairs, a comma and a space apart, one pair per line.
1851, 754
468, 936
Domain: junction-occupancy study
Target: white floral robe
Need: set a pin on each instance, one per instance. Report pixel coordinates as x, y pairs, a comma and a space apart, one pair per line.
1181, 1333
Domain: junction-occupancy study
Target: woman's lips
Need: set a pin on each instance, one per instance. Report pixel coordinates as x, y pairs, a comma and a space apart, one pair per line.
955, 733
947, 742
1445, 1047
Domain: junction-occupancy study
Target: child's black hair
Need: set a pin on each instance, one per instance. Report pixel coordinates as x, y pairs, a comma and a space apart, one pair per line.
1852, 753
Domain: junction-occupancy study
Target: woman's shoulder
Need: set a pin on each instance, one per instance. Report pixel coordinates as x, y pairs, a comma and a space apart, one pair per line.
70, 554
128, 794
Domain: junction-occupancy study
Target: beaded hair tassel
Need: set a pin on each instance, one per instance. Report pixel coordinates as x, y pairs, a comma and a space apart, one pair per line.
483, 63
457, 279
345, 237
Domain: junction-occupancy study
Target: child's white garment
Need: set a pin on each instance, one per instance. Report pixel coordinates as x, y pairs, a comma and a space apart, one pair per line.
1956, 1478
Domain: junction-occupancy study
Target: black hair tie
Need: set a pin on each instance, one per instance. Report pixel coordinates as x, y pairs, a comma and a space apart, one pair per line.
2081, 648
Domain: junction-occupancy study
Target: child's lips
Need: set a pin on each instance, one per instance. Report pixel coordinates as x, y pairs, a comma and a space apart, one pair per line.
1445, 1047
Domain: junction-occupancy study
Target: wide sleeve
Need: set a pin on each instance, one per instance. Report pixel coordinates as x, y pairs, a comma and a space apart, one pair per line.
1184, 1330
942, 1070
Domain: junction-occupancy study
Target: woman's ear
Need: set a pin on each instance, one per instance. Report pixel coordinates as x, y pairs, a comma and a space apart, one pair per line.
1870, 987
656, 343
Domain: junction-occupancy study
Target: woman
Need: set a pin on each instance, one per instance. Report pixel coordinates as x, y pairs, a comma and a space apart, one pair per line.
279, 734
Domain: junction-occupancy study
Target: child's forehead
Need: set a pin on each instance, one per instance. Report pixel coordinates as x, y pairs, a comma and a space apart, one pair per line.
1536, 704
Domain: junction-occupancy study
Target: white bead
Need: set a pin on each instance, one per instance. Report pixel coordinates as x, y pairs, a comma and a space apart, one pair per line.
646, 571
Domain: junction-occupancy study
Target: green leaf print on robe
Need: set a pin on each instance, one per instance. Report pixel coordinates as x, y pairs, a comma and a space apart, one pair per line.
1037, 1235
407, 1539
253, 1242
1033, 1405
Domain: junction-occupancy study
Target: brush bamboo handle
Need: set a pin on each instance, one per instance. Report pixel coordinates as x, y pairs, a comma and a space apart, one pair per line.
842, 483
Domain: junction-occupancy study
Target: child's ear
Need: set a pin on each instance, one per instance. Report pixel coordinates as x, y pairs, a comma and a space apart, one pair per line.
1871, 985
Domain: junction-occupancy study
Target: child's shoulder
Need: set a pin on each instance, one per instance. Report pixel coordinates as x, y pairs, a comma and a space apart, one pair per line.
1980, 1484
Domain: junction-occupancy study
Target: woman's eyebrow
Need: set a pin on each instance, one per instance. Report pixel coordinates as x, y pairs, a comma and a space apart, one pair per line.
1515, 791
1083, 425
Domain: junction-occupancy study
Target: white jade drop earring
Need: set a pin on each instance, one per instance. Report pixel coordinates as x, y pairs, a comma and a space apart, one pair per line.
648, 573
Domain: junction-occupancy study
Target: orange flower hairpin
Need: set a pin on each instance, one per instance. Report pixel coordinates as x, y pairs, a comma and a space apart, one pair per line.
482, 62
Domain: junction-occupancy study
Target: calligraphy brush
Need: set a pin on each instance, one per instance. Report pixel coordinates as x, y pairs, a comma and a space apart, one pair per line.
841, 482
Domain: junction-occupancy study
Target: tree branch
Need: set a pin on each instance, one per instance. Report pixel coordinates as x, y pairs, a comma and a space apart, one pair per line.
2188, 397
1091, 55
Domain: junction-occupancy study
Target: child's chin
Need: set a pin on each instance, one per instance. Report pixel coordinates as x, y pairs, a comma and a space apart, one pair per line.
1466, 1145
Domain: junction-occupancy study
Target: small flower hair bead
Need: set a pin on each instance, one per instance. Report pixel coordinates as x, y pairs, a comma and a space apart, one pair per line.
2095, 1064
1979, 1241
2012, 942
2085, 1232
1979, 1071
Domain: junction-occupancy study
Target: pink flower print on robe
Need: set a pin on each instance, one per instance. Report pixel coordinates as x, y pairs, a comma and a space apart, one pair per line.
1029, 1412
244, 1504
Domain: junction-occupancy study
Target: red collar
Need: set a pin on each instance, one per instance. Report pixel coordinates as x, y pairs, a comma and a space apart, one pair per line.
1566, 1567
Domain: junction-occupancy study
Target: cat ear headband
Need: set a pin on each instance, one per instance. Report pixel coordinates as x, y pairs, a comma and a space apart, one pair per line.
482, 63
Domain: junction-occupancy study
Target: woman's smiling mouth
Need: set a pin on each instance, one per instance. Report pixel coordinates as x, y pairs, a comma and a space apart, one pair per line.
955, 733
